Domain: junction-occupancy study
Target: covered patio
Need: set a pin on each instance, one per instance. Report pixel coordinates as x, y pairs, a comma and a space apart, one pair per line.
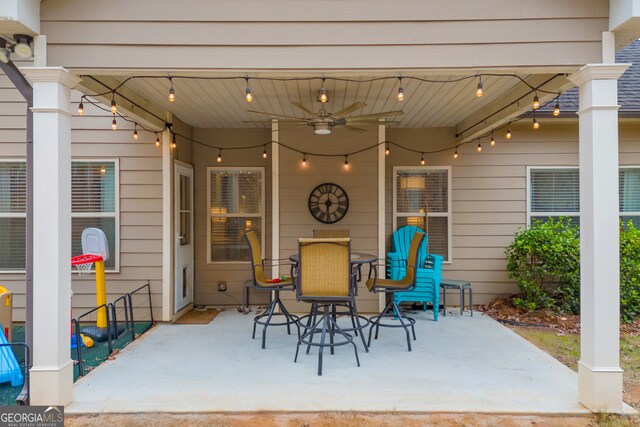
458, 364
205, 57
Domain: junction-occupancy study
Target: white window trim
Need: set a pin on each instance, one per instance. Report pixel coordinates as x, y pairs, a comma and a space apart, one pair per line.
529, 198
115, 214
13, 215
628, 213
260, 215
559, 214
448, 214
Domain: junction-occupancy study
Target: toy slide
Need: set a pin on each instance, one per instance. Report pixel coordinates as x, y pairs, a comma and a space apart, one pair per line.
9, 367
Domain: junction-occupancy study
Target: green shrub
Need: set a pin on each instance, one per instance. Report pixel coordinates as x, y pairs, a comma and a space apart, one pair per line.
545, 262
629, 272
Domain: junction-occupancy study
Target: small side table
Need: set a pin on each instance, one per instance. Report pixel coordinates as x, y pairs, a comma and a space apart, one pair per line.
461, 285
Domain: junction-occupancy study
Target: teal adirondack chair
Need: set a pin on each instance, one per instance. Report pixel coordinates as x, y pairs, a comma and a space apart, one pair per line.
428, 270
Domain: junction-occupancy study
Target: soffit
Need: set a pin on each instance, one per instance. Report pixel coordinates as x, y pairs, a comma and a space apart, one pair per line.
221, 104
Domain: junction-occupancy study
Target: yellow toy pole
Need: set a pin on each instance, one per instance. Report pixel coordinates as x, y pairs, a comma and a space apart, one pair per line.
101, 294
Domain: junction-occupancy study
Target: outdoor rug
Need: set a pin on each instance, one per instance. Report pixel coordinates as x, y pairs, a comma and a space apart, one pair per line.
197, 317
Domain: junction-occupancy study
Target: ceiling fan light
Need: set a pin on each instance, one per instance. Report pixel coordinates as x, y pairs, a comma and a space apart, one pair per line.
322, 96
23, 48
322, 129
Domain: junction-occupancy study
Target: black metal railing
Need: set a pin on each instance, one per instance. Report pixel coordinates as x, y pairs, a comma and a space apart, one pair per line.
127, 317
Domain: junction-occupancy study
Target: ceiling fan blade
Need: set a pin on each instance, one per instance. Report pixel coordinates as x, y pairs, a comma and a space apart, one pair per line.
267, 122
350, 109
303, 108
375, 115
275, 115
353, 128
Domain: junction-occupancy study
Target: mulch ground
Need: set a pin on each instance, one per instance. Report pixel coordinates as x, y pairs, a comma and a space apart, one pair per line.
502, 310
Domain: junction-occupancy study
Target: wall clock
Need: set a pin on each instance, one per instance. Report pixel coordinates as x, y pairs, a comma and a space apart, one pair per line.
328, 203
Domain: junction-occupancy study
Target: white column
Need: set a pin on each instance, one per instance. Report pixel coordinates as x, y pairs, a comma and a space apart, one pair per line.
599, 373
51, 381
382, 180
275, 194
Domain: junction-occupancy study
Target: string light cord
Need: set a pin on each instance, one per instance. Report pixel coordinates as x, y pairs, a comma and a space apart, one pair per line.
114, 91
324, 78
533, 89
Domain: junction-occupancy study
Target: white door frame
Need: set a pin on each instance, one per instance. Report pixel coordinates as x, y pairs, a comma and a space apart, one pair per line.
184, 259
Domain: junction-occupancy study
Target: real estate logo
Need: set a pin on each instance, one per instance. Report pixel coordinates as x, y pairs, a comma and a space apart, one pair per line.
31, 416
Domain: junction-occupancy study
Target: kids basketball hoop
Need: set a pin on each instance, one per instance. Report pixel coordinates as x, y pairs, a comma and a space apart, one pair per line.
83, 263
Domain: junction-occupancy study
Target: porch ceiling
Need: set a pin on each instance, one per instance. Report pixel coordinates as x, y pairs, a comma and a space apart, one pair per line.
220, 103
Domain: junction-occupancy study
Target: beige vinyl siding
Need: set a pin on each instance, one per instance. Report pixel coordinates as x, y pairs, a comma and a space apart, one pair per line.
140, 165
360, 183
255, 34
207, 275
140, 204
489, 190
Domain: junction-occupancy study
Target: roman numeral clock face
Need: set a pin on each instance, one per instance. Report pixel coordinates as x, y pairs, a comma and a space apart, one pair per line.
328, 203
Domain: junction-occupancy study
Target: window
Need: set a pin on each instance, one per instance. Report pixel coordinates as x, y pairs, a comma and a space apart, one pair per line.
13, 208
422, 197
629, 188
236, 205
94, 200
94, 203
555, 192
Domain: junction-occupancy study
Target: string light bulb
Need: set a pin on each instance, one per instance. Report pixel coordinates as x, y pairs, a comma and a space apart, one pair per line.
493, 140
386, 149
304, 160
157, 140
455, 154
346, 162
135, 132
81, 108
556, 109
219, 159
172, 91
479, 89
103, 170
479, 147
173, 141
508, 134
422, 162
536, 102
400, 90
536, 125
248, 96
114, 107
264, 152
322, 95
114, 124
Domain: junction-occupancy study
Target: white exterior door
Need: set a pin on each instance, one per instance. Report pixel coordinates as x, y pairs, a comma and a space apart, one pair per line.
184, 235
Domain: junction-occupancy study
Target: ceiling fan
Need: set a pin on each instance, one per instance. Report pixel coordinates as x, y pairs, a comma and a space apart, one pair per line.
324, 121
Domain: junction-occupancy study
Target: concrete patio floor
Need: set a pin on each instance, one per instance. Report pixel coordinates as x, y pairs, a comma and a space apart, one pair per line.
458, 364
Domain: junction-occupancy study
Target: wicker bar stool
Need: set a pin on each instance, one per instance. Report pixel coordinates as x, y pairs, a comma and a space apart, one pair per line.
266, 318
407, 283
324, 277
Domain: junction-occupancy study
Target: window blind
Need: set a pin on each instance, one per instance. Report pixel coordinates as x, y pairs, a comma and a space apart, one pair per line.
13, 205
554, 191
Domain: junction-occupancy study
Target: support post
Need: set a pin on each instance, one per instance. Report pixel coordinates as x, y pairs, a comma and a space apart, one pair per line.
51, 376
599, 372
382, 182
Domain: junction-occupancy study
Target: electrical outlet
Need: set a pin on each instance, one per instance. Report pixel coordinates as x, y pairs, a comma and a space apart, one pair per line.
222, 286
